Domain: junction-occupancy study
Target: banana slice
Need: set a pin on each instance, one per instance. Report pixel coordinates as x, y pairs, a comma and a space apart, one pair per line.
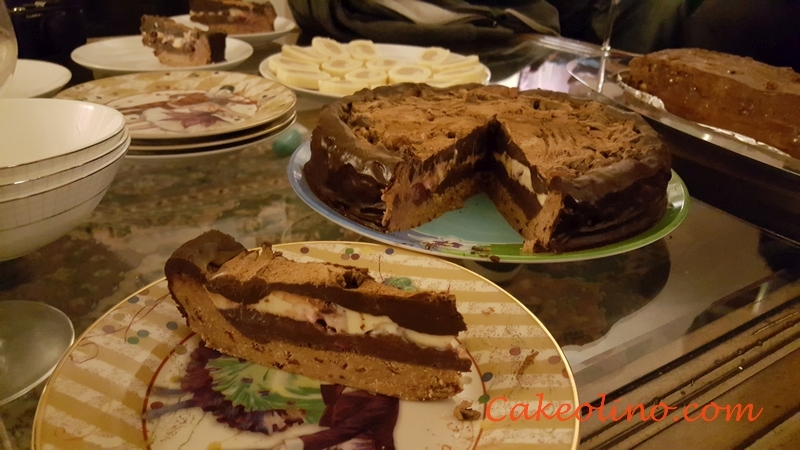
456, 61
408, 73
278, 61
329, 47
373, 77
306, 79
382, 63
306, 54
469, 74
362, 49
433, 55
339, 67
341, 87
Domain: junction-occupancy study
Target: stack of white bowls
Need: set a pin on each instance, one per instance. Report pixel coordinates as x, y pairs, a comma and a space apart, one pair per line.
57, 160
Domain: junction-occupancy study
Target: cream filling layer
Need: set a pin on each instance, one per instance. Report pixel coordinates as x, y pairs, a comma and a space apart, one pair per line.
434, 179
338, 320
520, 173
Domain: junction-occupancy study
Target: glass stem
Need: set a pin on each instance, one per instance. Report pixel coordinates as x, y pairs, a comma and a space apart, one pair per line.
606, 48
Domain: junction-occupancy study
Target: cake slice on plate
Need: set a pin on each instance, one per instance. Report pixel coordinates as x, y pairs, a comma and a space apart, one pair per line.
177, 45
328, 322
234, 16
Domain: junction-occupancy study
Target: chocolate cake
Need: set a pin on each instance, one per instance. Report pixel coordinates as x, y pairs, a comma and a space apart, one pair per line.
566, 173
725, 91
177, 45
234, 16
328, 322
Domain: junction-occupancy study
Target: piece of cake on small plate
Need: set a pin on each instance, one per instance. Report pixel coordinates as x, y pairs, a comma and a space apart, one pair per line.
177, 45
234, 16
328, 322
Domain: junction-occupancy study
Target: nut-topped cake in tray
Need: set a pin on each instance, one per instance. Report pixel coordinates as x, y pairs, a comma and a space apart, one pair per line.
725, 91
567, 174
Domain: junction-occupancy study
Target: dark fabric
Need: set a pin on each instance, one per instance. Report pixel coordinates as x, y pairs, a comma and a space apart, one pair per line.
345, 20
123, 17
766, 31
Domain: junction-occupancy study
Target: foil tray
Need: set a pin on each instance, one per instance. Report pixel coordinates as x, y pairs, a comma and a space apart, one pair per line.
586, 71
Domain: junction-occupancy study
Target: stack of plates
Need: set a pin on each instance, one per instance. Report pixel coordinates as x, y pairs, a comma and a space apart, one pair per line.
174, 116
54, 172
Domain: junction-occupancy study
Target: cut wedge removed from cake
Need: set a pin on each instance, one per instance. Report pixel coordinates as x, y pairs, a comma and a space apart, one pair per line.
328, 322
177, 45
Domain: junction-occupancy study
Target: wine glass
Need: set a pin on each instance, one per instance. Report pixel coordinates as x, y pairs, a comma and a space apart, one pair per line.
8, 47
33, 335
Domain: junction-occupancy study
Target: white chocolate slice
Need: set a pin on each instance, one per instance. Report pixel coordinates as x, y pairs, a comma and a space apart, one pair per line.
362, 49
408, 73
441, 83
339, 67
341, 87
329, 47
278, 61
456, 61
306, 54
373, 77
306, 79
469, 74
382, 63
433, 55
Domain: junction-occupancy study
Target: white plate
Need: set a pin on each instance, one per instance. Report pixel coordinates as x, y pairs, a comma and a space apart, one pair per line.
409, 53
283, 26
128, 55
34, 78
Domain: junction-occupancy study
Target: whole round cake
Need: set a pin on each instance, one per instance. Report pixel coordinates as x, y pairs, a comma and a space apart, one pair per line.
566, 173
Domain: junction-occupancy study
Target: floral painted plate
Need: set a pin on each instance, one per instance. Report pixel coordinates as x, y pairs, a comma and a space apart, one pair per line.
139, 378
184, 104
478, 231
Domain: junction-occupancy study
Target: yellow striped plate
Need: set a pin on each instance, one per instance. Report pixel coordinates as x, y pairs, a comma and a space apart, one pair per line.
131, 361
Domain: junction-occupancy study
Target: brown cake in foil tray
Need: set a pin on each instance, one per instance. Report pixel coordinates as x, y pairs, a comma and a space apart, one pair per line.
567, 174
328, 322
725, 91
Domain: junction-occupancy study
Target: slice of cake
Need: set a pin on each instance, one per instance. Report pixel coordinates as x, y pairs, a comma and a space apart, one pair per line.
725, 91
234, 16
177, 45
328, 322
566, 173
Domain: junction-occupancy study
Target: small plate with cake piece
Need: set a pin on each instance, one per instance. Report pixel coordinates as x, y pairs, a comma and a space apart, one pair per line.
477, 231
181, 105
331, 70
771, 137
201, 369
127, 54
282, 27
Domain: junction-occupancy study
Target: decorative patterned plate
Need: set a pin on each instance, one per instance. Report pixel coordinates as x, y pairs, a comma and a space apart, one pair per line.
586, 70
269, 128
283, 26
478, 232
179, 105
127, 54
405, 53
34, 78
139, 378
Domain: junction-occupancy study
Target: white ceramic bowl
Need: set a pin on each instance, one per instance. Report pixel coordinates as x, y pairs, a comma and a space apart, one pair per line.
21, 240
44, 136
49, 182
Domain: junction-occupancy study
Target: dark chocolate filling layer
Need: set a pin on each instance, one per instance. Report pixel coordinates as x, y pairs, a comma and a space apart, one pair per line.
415, 312
265, 328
